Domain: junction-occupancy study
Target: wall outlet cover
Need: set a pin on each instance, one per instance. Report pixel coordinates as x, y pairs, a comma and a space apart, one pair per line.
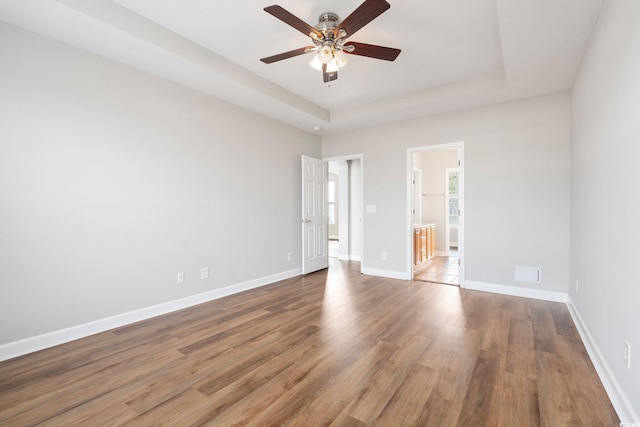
627, 354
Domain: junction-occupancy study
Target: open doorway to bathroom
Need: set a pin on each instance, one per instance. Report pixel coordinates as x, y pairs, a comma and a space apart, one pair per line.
436, 200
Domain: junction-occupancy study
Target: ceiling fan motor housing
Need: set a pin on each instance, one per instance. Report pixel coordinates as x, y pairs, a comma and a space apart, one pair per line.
327, 22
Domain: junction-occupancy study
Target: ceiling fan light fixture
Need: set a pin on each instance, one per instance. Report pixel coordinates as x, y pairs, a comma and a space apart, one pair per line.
341, 58
316, 63
325, 54
332, 66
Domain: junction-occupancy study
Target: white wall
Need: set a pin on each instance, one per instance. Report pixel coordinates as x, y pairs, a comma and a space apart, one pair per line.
112, 181
433, 164
605, 202
516, 187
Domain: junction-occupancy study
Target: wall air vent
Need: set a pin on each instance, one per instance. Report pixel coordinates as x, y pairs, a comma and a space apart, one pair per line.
528, 274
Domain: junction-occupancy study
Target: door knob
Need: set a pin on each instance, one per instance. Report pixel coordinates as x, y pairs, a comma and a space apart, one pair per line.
306, 221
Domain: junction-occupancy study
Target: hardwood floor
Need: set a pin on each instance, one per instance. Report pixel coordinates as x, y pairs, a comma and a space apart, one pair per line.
331, 348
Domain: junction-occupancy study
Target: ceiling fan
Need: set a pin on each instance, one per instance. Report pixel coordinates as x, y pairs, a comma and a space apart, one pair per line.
329, 38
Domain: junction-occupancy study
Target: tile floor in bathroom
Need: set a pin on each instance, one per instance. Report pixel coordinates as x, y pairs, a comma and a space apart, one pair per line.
439, 269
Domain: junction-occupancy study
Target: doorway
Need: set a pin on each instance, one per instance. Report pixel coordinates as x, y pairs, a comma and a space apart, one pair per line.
452, 204
435, 196
333, 209
345, 208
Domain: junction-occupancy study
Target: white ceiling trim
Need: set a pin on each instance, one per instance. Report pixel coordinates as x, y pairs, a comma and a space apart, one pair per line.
230, 76
519, 48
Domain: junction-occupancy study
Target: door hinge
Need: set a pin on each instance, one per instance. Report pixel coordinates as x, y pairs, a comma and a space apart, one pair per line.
458, 162
458, 261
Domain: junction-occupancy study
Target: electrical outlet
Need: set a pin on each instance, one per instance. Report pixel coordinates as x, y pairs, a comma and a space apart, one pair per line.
288, 256
180, 277
627, 354
383, 256
204, 273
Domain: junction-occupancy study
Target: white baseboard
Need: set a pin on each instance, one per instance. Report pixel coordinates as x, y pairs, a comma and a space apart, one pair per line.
39, 342
516, 291
349, 257
616, 394
386, 273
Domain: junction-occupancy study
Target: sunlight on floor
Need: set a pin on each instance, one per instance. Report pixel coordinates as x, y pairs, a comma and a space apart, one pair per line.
340, 318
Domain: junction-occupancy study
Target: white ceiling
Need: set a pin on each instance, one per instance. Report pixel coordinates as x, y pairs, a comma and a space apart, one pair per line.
456, 54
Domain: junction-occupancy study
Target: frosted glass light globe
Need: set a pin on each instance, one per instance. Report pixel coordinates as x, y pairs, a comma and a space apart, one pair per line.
325, 54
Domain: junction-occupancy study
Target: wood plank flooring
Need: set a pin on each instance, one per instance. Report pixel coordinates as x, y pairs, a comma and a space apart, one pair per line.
332, 348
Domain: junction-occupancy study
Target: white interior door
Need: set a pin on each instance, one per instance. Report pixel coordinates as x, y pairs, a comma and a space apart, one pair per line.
314, 215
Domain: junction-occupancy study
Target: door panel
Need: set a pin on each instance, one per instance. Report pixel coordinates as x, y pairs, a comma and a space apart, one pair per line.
314, 214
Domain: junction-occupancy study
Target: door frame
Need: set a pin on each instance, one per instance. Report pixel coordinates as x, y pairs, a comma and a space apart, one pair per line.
447, 229
416, 190
409, 196
360, 157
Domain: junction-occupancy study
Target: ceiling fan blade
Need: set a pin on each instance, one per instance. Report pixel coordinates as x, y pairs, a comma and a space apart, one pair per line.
285, 55
365, 13
373, 51
289, 18
328, 76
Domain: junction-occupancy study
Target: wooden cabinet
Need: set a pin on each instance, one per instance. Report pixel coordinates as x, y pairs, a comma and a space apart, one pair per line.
424, 242
417, 245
